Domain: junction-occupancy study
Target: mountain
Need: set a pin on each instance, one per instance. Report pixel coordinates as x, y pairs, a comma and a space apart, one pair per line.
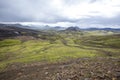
58, 28
73, 28
46, 27
106, 29
12, 30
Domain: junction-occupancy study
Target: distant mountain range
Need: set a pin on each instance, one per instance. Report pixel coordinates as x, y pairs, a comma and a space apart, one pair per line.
75, 28
12, 30
57, 28
106, 29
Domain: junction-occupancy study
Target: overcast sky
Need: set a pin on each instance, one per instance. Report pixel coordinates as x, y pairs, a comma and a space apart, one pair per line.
83, 13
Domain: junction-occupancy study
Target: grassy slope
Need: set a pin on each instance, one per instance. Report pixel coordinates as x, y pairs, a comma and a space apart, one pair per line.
12, 50
40, 51
112, 41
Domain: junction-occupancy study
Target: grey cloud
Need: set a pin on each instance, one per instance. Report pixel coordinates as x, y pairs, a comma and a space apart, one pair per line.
42, 11
92, 1
30, 11
74, 2
100, 20
36, 9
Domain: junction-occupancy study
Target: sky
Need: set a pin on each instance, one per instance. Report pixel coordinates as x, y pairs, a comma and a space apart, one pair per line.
82, 13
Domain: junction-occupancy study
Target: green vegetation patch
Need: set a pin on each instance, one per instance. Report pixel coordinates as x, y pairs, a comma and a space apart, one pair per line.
59, 49
9, 42
38, 50
100, 41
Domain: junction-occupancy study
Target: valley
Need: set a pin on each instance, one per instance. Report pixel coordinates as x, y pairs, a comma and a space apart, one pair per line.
69, 54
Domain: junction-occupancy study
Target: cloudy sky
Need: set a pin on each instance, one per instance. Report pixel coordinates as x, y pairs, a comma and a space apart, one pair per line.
83, 13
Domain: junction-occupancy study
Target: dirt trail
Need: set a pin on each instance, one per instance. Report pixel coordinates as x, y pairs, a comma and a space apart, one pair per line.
76, 69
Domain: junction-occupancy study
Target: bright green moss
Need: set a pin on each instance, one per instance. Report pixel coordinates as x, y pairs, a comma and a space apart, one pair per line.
9, 42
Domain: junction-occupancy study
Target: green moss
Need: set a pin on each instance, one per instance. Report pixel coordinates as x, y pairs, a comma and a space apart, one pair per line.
13, 50
9, 42
41, 51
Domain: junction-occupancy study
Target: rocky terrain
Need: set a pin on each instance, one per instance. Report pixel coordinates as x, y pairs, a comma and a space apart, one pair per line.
75, 69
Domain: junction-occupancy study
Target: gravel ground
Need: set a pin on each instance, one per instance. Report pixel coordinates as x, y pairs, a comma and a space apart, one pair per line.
74, 69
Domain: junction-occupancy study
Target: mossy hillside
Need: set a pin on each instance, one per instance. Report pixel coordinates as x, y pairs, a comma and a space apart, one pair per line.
59, 49
100, 41
9, 42
38, 50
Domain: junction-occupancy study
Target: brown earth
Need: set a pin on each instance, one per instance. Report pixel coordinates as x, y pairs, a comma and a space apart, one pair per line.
74, 69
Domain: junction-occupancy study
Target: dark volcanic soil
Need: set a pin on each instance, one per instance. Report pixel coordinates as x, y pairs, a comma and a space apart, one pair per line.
78, 69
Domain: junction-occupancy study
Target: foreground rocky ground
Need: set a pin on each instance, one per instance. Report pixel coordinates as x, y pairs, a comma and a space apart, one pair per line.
76, 69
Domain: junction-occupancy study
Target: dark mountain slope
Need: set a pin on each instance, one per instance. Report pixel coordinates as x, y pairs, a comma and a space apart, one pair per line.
12, 31
73, 29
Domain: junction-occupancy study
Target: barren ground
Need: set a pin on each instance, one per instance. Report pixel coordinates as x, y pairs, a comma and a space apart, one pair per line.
75, 69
